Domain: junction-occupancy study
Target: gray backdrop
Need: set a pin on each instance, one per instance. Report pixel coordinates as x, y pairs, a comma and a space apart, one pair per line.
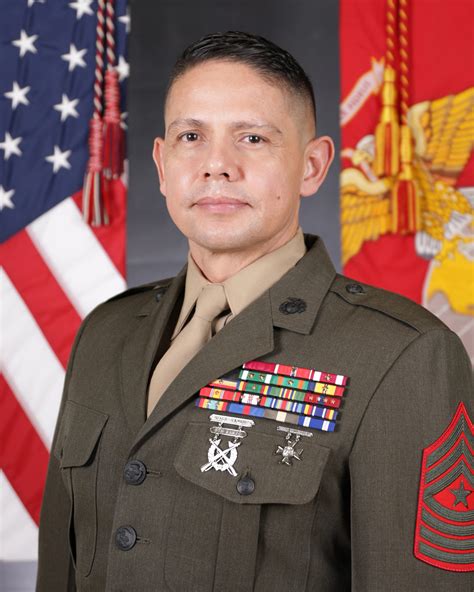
160, 32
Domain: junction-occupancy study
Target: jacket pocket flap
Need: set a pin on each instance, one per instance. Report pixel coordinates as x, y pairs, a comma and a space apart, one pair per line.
275, 483
79, 433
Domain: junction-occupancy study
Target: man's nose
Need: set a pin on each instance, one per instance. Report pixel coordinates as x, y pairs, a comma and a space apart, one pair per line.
221, 161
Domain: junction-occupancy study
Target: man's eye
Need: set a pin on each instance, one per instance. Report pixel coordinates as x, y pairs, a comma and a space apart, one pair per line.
254, 139
190, 136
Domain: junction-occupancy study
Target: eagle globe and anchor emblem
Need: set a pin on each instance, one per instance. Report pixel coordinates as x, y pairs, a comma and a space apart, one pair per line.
409, 181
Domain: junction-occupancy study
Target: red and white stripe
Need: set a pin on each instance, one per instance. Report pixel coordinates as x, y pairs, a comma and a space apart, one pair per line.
52, 274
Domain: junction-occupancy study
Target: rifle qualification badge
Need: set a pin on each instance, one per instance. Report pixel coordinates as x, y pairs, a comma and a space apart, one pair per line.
223, 458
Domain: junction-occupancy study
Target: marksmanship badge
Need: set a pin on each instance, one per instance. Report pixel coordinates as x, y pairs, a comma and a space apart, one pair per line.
289, 452
445, 517
220, 458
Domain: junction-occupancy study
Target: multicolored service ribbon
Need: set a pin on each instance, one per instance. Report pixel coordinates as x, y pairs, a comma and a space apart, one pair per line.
307, 373
283, 416
301, 396
270, 402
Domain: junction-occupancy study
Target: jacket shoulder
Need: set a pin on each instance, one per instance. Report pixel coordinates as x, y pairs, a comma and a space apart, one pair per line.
113, 315
159, 286
393, 305
129, 301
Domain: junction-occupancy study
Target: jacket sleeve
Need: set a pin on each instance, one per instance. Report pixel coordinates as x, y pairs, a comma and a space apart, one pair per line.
410, 410
55, 568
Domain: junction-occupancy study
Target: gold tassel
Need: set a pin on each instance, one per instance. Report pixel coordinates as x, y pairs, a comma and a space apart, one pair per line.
405, 198
387, 132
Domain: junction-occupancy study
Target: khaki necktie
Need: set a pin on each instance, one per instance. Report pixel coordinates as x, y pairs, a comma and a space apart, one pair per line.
210, 303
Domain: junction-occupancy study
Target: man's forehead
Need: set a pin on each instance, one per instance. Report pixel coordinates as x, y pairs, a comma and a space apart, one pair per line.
272, 105
219, 80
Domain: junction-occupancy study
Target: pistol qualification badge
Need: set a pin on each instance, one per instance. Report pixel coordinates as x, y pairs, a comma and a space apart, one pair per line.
220, 458
288, 451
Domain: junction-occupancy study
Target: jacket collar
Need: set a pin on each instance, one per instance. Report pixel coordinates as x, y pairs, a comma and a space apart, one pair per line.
248, 283
308, 280
248, 336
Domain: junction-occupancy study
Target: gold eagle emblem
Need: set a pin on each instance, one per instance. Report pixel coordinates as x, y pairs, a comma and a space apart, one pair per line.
443, 134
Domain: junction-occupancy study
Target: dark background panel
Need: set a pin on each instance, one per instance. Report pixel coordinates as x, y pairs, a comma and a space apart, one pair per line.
160, 32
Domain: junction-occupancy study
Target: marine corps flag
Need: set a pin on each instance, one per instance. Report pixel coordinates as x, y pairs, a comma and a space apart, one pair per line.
407, 167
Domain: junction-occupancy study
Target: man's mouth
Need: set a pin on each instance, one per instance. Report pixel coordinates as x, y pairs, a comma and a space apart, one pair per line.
220, 204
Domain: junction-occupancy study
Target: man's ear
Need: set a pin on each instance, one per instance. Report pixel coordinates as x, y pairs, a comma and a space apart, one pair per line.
319, 155
158, 152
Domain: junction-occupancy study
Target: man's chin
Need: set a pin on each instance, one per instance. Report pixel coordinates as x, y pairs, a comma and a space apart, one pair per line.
221, 237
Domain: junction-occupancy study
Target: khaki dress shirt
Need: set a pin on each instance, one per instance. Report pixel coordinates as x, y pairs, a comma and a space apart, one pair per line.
246, 285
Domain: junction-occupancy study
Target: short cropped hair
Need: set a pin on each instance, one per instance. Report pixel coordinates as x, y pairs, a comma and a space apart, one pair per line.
274, 64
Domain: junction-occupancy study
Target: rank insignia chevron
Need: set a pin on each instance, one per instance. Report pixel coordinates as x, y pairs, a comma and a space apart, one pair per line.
444, 534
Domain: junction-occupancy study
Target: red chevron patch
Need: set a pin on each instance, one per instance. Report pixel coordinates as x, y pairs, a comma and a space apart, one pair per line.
444, 534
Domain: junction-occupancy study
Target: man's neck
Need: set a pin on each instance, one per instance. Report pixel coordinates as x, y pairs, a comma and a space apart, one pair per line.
217, 266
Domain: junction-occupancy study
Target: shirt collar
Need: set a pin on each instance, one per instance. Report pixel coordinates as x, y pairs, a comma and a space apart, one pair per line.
247, 284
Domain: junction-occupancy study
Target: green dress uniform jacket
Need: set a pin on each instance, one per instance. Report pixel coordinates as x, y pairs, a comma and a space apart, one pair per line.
127, 507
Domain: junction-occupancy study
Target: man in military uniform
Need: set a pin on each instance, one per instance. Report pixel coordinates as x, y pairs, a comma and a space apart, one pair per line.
258, 422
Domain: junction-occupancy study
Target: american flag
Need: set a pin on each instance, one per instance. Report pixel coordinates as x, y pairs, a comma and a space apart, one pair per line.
55, 266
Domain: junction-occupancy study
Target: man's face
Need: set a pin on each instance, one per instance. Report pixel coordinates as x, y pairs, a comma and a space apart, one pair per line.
230, 136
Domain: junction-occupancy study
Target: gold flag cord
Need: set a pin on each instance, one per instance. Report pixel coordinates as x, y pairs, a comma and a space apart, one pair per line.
405, 195
387, 135
393, 137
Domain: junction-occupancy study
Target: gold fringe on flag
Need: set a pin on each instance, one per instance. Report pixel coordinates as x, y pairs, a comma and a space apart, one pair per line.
405, 200
405, 197
387, 133
393, 138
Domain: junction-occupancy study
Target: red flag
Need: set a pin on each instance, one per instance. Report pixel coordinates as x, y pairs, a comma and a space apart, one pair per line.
407, 180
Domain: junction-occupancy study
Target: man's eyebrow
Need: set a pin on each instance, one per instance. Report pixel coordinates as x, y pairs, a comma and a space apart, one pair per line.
255, 124
191, 122
181, 122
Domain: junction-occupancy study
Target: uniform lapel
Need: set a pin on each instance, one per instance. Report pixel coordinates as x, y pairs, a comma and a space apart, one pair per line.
140, 347
248, 336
